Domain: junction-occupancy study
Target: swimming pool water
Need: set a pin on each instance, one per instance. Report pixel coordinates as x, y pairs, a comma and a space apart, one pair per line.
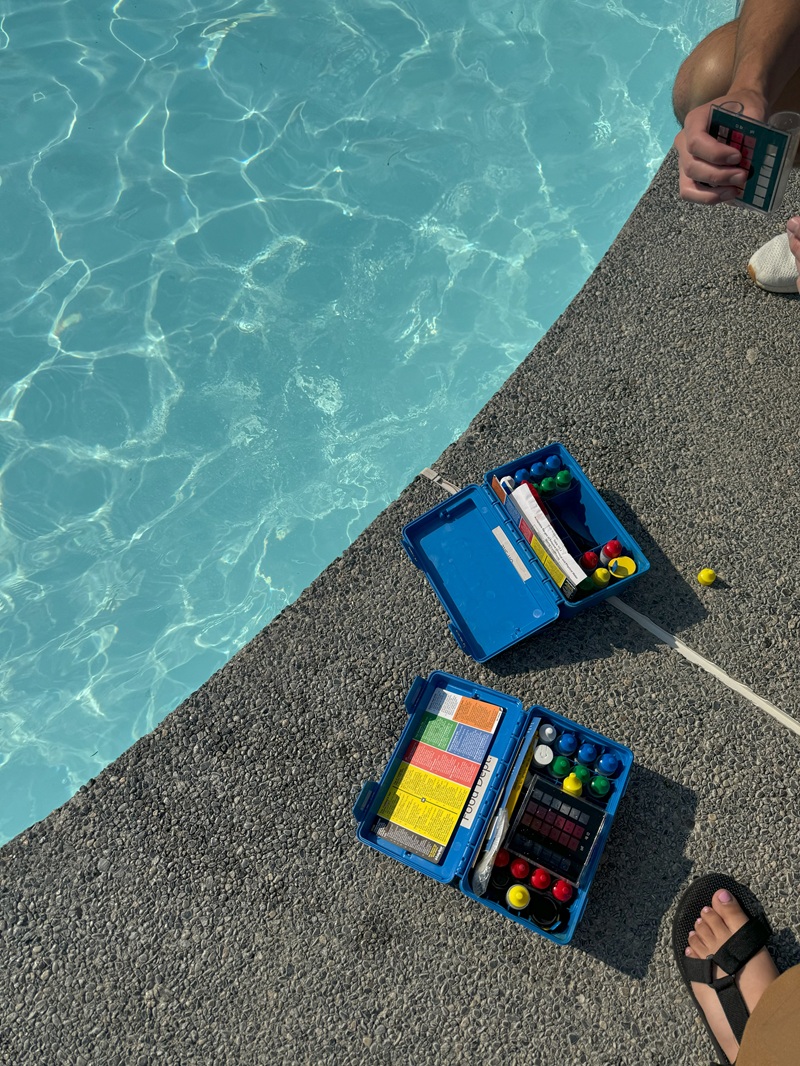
261, 263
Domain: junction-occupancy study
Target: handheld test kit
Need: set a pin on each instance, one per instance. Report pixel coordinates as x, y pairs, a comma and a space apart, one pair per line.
767, 149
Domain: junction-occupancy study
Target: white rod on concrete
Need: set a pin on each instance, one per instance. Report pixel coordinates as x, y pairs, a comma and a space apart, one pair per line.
671, 641
705, 664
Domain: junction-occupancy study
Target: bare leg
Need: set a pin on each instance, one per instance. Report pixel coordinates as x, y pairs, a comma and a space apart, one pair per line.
706, 74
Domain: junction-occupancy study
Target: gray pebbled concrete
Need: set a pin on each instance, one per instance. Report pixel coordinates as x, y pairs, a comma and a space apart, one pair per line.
205, 899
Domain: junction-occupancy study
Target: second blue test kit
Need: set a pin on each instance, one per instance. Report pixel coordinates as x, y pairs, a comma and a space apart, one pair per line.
534, 542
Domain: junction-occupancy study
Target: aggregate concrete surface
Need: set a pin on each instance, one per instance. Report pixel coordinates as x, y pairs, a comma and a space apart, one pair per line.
205, 899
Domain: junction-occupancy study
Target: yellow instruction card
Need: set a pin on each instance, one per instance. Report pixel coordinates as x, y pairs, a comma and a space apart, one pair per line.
433, 784
434, 823
554, 572
431, 788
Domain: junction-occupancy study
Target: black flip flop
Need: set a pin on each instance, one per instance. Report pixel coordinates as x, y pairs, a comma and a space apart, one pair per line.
731, 957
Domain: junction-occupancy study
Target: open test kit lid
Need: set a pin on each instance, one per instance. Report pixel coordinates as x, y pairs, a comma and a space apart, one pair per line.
475, 796
458, 831
502, 573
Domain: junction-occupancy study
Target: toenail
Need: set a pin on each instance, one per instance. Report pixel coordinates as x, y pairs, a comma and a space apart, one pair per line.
706, 910
688, 951
692, 933
724, 897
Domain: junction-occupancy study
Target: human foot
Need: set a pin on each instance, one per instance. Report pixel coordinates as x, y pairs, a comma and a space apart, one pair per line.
714, 927
716, 962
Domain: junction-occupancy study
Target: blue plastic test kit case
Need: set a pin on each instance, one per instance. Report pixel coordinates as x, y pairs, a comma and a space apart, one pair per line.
510, 749
486, 575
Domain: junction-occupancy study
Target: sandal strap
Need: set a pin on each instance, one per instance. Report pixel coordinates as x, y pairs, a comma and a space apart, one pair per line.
730, 998
700, 970
733, 1006
743, 945
731, 957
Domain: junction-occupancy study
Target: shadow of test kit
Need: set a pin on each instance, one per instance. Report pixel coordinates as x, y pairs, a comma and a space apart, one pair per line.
513, 805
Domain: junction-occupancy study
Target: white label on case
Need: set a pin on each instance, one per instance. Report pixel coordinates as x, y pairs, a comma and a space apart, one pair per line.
474, 802
512, 553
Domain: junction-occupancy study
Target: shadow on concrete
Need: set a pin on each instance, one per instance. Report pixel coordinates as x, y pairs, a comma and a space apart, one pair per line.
785, 949
641, 874
663, 594
663, 589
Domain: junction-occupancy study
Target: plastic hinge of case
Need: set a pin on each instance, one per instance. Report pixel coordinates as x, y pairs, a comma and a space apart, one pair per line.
458, 638
415, 693
411, 555
495, 792
461, 869
368, 790
495, 500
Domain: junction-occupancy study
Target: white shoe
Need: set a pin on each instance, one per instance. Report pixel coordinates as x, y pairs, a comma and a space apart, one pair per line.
773, 266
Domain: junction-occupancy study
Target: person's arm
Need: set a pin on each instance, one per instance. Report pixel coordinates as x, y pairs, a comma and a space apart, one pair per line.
766, 56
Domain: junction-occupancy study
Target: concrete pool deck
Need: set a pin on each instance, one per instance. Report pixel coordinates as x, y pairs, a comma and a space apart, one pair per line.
205, 899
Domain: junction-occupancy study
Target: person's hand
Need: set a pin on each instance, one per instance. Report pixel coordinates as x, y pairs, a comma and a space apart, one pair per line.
793, 229
710, 172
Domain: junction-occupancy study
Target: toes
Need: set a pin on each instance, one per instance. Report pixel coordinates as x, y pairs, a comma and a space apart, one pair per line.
726, 908
793, 228
715, 929
715, 924
704, 941
690, 949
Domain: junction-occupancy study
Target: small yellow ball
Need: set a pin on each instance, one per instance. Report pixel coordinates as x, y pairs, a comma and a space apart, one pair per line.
707, 576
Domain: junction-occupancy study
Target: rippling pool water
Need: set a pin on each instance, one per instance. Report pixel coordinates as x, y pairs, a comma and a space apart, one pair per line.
249, 248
